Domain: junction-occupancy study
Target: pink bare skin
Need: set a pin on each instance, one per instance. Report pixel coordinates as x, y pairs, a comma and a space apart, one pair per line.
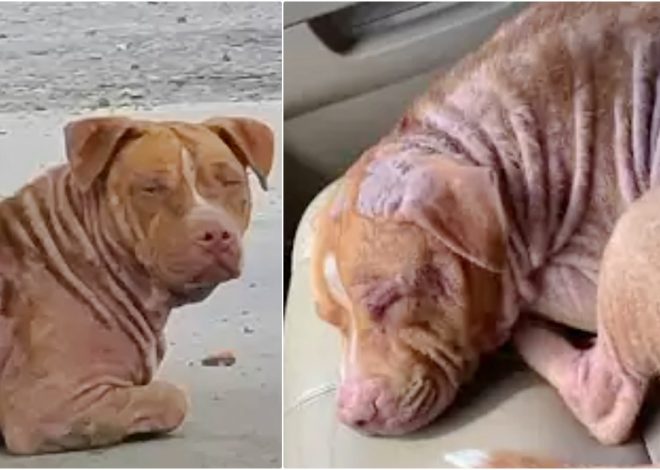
521, 184
146, 216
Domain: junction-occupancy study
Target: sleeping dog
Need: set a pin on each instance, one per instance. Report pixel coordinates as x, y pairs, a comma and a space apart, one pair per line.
523, 183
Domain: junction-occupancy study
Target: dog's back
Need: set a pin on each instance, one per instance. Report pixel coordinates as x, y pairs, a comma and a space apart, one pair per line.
562, 104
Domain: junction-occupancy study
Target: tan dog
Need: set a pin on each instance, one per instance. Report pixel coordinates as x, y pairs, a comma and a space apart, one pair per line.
496, 195
94, 255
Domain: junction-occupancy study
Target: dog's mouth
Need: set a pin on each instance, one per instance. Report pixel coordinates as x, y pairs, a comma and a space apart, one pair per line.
430, 406
211, 276
201, 284
227, 266
193, 275
382, 414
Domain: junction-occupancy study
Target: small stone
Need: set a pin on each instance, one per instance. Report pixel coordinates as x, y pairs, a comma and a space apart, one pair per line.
248, 330
244, 312
190, 363
40, 107
222, 358
226, 57
178, 81
134, 66
3, 132
182, 19
3, 36
252, 285
121, 46
133, 94
103, 102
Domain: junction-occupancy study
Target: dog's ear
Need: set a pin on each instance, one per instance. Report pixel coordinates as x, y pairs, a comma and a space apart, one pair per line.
465, 211
251, 141
91, 143
459, 204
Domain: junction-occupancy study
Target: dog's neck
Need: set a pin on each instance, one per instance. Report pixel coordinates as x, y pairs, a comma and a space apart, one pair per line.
119, 256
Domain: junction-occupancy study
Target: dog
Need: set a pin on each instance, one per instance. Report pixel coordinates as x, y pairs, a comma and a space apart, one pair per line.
144, 217
521, 189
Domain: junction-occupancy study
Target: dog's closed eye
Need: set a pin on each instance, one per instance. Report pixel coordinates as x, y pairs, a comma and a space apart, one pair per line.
380, 301
225, 176
153, 188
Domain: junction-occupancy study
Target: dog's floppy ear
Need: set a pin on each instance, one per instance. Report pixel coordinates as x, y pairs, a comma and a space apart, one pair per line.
459, 204
91, 143
251, 141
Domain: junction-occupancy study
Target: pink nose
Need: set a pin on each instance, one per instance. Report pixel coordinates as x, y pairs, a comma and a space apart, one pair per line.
363, 404
216, 238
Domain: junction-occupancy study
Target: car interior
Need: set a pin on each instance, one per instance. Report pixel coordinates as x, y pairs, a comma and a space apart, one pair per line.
351, 69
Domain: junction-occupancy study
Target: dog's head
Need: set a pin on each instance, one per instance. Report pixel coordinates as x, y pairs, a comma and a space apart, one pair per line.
177, 192
407, 263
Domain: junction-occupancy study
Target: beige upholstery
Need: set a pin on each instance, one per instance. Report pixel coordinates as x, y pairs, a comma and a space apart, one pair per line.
506, 407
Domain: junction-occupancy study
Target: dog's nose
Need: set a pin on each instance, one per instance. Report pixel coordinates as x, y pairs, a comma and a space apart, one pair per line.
362, 403
216, 237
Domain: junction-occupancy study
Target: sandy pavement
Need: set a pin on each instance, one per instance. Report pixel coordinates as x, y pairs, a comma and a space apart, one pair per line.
177, 61
64, 55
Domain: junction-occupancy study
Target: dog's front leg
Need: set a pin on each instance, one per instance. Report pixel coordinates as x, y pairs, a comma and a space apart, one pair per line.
605, 385
604, 396
158, 407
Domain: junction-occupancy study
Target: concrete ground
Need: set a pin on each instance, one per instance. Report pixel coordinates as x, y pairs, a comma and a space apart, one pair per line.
58, 55
178, 61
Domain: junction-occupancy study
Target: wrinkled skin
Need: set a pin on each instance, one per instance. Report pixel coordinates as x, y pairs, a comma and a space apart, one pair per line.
94, 255
523, 184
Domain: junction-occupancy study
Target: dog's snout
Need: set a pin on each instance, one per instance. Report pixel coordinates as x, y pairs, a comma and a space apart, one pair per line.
219, 245
373, 405
361, 403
